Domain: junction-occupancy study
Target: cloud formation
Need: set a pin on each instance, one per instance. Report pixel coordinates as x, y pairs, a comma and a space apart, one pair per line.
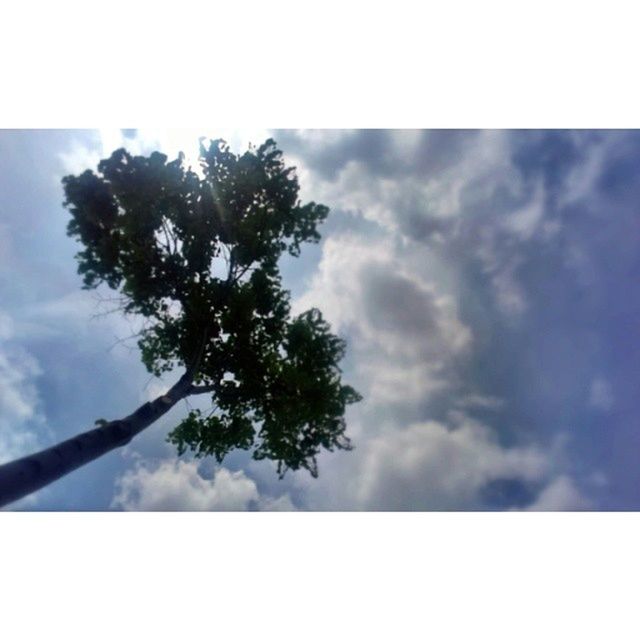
457, 298
561, 495
483, 281
407, 334
176, 485
433, 466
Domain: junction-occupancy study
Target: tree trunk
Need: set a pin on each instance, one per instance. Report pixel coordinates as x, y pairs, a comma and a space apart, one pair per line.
26, 475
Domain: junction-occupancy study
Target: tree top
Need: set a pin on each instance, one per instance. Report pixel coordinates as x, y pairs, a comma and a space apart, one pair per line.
195, 252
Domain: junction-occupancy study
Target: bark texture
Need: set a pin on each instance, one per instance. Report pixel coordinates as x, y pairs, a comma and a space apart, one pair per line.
26, 475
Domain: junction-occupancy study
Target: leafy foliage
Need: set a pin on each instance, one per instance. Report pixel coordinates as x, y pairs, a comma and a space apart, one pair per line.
196, 254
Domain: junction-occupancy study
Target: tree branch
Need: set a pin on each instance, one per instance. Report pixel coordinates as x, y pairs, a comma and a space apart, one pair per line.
195, 389
232, 268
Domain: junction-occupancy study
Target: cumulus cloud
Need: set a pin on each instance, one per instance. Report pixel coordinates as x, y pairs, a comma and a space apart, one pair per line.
561, 495
176, 485
460, 220
429, 466
475, 197
407, 333
455, 464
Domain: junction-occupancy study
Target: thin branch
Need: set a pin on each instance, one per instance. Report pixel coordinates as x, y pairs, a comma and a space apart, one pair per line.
214, 408
166, 245
173, 237
102, 300
232, 268
192, 369
239, 276
223, 248
121, 341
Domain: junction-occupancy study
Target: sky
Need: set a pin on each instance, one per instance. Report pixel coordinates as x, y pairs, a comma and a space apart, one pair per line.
485, 282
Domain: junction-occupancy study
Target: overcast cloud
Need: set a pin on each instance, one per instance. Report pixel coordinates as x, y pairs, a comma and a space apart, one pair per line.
485, 282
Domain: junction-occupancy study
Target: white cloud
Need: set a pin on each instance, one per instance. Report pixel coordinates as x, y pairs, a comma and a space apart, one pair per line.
583, 175
176, 485
171, 141
459, 192
154, 389
525, 220
79, 158
283, 503
442, 465
474, 400
561, 494
508, 292
431, 466
396, 293
22, 425
406, 332
80, 311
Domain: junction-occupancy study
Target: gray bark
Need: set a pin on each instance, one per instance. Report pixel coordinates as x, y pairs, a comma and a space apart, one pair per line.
26, 475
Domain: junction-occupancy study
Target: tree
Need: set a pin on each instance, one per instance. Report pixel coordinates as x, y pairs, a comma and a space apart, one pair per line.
195, 254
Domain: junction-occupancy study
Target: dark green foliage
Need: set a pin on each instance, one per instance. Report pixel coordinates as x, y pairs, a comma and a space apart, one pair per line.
213, 435
197, 255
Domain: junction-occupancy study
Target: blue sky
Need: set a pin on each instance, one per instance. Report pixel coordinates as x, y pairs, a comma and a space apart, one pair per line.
485, 282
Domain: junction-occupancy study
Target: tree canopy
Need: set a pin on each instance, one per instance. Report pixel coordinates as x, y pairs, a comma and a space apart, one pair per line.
195, 252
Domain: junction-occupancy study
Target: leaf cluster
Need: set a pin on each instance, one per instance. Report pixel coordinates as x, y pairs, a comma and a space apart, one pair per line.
196, 253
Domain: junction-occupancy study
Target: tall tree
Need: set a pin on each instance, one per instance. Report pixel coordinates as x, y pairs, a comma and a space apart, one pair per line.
195, 253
